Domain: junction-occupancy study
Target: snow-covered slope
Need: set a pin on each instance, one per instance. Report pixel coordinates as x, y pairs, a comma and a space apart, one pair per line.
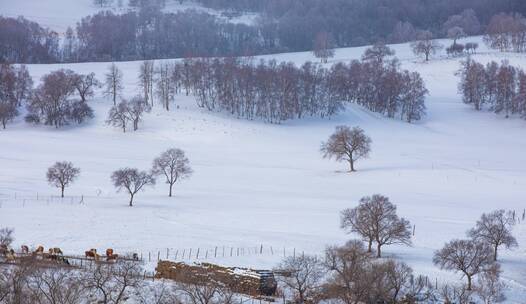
58, 15
259, 184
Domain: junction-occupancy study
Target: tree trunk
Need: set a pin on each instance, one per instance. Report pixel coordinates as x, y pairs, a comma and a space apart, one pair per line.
495, 253
351, 162
469, 282
379, 251
171, 185
131, 200
62, 191
370, 247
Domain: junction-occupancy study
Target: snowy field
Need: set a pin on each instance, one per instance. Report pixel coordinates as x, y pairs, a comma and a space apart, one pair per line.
258, 184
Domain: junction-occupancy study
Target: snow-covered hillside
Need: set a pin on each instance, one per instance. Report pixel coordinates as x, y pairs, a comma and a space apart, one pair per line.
258, 184
58, 15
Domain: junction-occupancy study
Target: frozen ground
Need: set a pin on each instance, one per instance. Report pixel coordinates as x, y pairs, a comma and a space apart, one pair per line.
260, 184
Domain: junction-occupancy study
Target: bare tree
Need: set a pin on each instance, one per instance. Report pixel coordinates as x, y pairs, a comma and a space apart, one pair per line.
323, 48
114, 82
146, 77
377, 53
303, 276
467, 256
456, 294
62, 174
6, 237
165, 86
118, 115
55, 285
137, 106
425, 45
495, 229
132, 180
85, 85
112, 284
455, 33
347, 266
376, 216
347, 144
160, 293
488, 286
174, 165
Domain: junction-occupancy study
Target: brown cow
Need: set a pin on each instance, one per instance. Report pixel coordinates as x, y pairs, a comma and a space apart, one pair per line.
109, 252
25, 249
10, 255
92, 253
40, 250
55, 251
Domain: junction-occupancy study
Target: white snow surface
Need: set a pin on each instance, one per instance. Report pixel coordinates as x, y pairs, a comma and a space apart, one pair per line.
259, 185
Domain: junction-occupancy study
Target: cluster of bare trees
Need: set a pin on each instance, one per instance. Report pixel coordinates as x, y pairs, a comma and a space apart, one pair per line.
375, 221
499, 88
507, 32
349, 274
172, 166
477, 256
15, 89
128, 112
61, 99
277, 92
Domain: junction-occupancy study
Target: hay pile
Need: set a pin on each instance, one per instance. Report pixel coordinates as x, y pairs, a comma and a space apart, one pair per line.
239, 280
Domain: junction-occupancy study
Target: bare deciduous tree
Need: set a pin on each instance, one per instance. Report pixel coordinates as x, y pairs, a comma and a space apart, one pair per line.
6, 237
84, 84
55, 285
173, 165
303, 276
61, 175
137, 106
425, 45
375, 219
495, 229
488, 286
165, 86
114, 82
112, 284
146, 77
347, 144
132, 180
118, 115
323, 48
467, 256
456, 294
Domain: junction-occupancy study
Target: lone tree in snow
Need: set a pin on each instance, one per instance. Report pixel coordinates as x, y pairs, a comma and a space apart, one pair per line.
132, 180
84, 84
137, 106
375, 219
347, 144
425, 45
494, 229
114, 85
306, 273
118, 115
173, 165
467, 256
323, 47
61, 175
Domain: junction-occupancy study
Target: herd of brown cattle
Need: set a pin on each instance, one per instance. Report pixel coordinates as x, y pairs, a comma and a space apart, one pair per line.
57, 254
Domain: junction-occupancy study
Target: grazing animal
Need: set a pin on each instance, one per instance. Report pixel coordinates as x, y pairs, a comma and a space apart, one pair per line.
25, 249
92, 253
109, 252
55, 251
135, 257
10, 255
40, 250
112, 258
